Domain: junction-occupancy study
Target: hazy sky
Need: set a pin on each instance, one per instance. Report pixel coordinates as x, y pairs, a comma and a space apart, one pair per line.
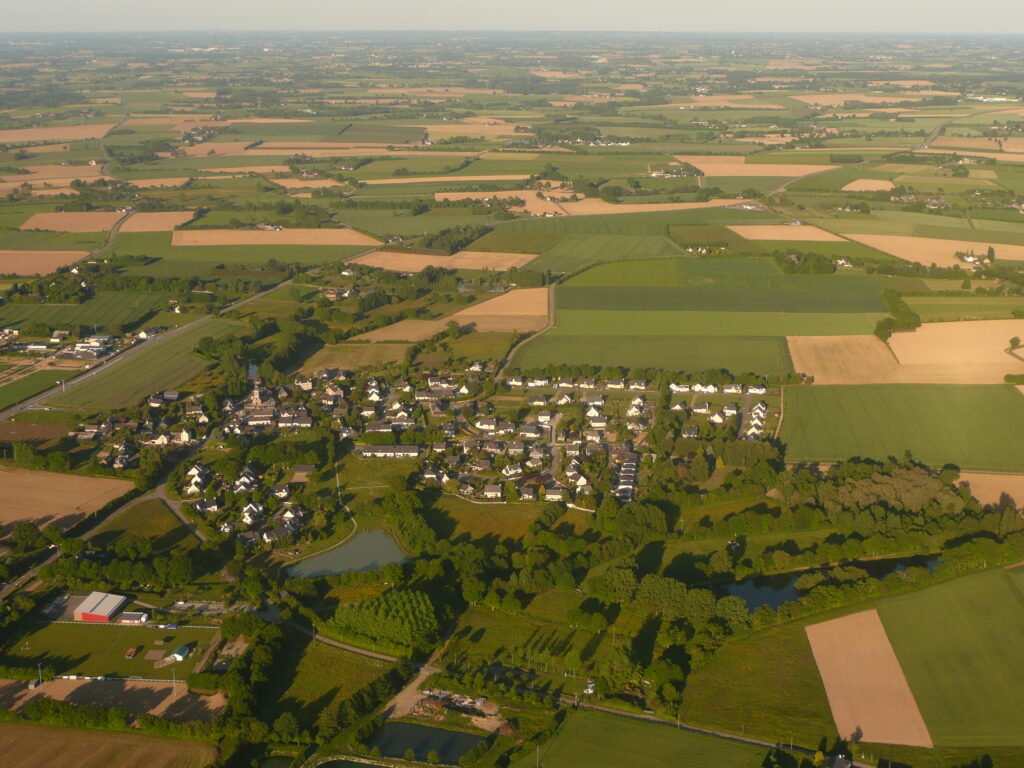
878, 16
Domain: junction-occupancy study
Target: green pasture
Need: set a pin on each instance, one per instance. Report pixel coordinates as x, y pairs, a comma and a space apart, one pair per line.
151, 520
165, 363
516, 242
576, 252
44, 240
761, 354
600, 740
959, 644
669, 323
975, 427
950, 308
33, 384
107, 309
655, 223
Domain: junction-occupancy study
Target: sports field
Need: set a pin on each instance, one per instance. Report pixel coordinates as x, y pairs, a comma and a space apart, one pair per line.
165, 363
33, 384
599, 740
974, 427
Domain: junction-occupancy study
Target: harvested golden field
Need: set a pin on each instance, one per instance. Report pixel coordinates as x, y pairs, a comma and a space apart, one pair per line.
843, 359
56, 133
592, 206
1002, 144
785, 232
156, 222
304, 145
732, 165
354, 356
308, 183
416, 262
1003, 157
76, 221
443, 179
50, 148
37, 173
173, 181
37, 262
970, 352
363, 152
867, 690
27, 745
521, 309
405, 330
929, 250
221, 148
533, 204
50, 498
868, 185
989, 487
271, 237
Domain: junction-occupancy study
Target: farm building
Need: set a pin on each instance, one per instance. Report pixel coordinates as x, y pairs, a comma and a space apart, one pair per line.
181, 653
99, 606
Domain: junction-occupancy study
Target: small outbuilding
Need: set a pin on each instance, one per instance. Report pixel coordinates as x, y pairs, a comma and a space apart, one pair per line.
181, 653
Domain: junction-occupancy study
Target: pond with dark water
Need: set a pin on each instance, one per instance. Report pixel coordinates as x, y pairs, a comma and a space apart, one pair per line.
366, 551
781, 588
395, 738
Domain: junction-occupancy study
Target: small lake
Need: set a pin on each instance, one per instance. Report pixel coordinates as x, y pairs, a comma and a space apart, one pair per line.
395, 738
368, 550
781, 588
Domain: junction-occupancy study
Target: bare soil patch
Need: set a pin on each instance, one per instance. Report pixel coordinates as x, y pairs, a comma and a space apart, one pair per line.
271, 237
442, 179
989, 487
51, 498
786, 232
36, 262
32, 433
74, 221
56, 133
27, 745
867, 690
137, 696
156, 222
416, 262
868, 185
930, 250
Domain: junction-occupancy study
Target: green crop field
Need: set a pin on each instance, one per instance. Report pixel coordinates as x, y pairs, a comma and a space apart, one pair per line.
959, 644
664, 322
761, 354
98, 649
165, 363
945, 308
599, 740
974, 427
106, 308
33, 384
515, 242
638, 223
578, 251
42, 240
152, 520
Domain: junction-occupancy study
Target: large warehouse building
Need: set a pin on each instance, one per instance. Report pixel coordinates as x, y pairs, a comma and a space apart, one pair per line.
99, 606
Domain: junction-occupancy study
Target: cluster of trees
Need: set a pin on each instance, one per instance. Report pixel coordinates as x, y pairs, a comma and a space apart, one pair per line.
403, 617
902, 317
454, 238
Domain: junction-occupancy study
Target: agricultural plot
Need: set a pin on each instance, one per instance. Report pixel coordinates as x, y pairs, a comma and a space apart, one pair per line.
29, 746
637, 223
626, 321
606, 741
353, 356
164, 363
271, 237
951, 308
32, 384
36, 262
417, 262
153, 521
576, 252
106, 308
91, 221
49, 498
974, 427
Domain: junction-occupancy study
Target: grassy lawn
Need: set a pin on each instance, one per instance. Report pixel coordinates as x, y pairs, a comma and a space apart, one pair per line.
164, 363
454, 517
600, 740
310, 674
98, 649
152, 520
975, 427
30, 385
959, 644
761, 354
